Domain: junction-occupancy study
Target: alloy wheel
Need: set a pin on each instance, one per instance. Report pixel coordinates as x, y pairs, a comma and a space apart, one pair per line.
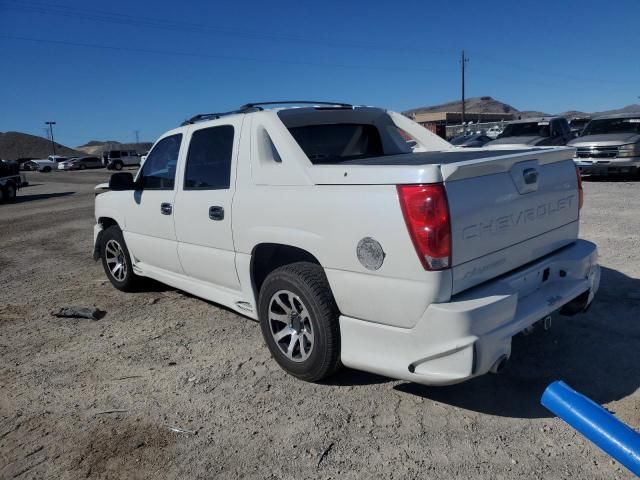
116, 262
290, 325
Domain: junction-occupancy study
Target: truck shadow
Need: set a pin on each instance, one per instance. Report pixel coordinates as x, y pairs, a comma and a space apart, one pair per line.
38, 196
597, 353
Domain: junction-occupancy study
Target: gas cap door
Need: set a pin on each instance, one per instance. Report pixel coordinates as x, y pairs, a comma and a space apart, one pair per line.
525, 176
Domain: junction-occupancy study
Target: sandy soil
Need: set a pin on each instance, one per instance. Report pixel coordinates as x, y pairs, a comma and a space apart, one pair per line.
103, 399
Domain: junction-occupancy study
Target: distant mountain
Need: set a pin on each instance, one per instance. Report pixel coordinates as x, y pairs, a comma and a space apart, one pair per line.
634, 108
491, 105
96, 147
472, 105
15, 145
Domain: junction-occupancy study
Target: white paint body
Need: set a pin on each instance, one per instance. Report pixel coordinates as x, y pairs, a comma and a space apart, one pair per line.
430, 327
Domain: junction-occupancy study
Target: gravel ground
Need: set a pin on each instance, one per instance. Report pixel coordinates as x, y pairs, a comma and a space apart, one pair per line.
170, 386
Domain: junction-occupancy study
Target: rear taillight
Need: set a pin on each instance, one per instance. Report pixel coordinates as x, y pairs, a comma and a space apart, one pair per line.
426, 214
580, 191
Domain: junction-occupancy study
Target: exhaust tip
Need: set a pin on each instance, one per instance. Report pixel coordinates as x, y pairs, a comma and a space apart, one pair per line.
499, 365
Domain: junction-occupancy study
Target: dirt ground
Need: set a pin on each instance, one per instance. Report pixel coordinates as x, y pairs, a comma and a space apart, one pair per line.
170, 386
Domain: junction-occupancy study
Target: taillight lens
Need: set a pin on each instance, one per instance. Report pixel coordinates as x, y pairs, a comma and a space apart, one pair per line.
426, 214
580, 191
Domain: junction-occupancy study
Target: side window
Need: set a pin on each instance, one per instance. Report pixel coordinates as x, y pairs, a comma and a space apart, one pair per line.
159, 171
114, 154
209, 159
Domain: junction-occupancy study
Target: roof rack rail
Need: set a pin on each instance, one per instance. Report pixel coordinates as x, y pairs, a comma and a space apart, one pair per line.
299, 102
201, 117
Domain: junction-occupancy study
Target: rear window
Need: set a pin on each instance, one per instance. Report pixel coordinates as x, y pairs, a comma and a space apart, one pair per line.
528, 129
335, 143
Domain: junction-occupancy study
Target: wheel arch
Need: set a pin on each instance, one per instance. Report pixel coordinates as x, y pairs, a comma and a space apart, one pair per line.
105, 221
266, 257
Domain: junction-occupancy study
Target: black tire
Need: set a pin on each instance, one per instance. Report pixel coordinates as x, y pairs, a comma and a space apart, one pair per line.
82, 166
2, 195
118, 166
46, 169
130, 282
9, 192
308, 282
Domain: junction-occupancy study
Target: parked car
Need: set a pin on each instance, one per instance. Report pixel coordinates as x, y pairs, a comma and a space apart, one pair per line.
534, 132
347, 247
609, 144
117, 159
494, 131
469, 141
577, 125
23, 160
80, 163
10, 180
48, 164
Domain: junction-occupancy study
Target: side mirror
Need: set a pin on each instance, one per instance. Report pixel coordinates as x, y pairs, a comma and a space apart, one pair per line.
121, 181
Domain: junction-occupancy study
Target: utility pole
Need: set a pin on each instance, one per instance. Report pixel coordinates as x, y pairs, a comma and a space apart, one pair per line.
463, 60
137, 133
53, 144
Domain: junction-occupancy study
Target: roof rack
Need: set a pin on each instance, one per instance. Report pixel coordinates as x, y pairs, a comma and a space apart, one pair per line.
201, 117
297, 102
256, 107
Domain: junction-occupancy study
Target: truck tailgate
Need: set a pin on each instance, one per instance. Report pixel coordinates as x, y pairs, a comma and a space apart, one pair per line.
512, 213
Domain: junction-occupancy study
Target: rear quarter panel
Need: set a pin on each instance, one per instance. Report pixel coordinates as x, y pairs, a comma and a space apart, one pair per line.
328, 221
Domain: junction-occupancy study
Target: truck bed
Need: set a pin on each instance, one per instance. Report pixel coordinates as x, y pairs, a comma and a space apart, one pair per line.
437, 158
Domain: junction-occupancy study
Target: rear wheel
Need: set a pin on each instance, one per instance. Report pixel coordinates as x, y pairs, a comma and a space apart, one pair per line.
46, 169
299, 321
118, 165
116, 260
9, 192
82, 166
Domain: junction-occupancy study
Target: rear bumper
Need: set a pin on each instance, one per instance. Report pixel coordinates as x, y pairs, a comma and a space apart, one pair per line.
464, 338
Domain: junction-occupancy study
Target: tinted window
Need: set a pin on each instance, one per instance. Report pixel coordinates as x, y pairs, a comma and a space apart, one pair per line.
334, 143
159, 171
209, 159
526, 129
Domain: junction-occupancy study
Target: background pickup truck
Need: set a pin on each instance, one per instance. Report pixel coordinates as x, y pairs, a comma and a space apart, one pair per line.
350, 249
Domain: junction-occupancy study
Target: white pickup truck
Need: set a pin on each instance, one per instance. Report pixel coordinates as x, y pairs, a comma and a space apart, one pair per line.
349, 249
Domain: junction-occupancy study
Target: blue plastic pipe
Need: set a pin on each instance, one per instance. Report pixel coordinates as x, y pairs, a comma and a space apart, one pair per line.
595, 423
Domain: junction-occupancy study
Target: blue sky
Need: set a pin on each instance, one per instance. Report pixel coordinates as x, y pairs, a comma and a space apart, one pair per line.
102, 70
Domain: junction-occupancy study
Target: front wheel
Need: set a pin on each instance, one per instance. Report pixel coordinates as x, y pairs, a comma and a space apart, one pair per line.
118, 166
299, 321
46, 169
116, 260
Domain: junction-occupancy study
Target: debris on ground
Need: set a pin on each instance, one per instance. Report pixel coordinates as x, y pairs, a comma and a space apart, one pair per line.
325, 453
92, 313
180, 430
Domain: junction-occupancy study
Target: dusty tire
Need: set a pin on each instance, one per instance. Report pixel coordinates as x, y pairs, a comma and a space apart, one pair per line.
9, 192
299, 321
118, 166
116, 260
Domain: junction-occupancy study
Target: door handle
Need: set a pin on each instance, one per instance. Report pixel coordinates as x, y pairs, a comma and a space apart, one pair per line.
216, 213
166, 208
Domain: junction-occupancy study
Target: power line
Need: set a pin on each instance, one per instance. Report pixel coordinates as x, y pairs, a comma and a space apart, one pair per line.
151, 22
221, 57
